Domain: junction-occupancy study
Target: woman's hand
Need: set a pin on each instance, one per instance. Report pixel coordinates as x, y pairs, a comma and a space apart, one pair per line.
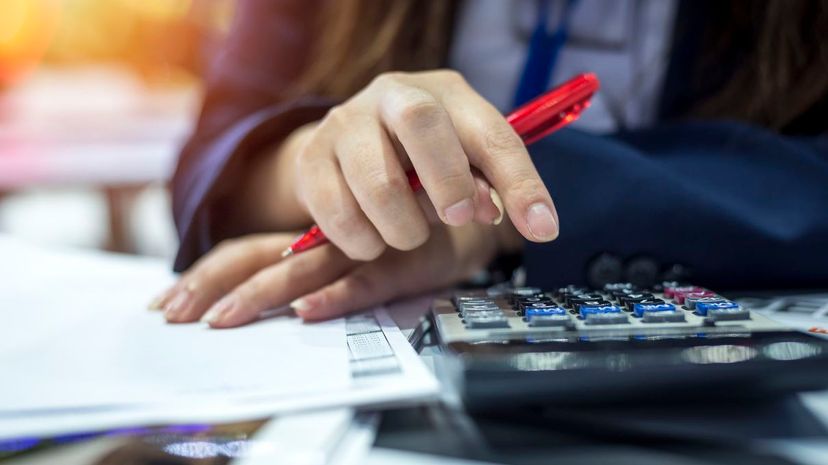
347, 172
242, 277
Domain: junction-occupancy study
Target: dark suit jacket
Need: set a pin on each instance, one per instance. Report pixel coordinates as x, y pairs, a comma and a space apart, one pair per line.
733, 205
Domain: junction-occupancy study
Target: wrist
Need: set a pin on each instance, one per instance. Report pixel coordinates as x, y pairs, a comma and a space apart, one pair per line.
269, 201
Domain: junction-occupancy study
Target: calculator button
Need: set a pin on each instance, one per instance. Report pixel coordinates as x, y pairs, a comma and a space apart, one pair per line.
464, 305
459, 302
692, 298
542, 307
610, 287
531, 312
679, 296
702, 307
590, 303
526, 291
728, 314
596, 309
606, 318
625, 300
487, 322
533, 300
670, 292
550, 320
648, 301
580, 298
618, 295
640, 309
663, 317
482, 314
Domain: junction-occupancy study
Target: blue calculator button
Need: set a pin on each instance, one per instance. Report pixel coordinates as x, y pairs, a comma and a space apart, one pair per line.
544, 311
640, 309
703, 307
598, 309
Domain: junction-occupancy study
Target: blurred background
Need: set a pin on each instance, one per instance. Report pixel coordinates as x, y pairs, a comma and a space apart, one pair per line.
96, 98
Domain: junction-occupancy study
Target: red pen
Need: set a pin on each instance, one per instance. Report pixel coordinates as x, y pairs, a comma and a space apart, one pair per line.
532, 121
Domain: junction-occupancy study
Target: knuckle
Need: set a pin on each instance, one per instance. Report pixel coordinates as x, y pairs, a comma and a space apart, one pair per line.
367, 251
450, 75
386, 78
501, 141
346, 222
527, 186
457, 179
420, 112
227, 246
359, 284
384, 192
321, 198
454, 185
336, 115
411, 238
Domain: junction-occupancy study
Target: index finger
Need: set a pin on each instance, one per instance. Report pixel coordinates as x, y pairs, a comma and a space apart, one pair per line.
494, 147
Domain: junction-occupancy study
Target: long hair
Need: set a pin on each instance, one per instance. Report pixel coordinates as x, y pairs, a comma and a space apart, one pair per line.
783, 73
358, 39
784, 69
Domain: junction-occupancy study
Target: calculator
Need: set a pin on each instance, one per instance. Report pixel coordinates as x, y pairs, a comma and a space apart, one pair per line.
573, 345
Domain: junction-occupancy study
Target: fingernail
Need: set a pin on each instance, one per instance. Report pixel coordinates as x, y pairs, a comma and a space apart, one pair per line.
541, 222
177, 304
219, 310
156, 303
460, 213
498, 203
300, 305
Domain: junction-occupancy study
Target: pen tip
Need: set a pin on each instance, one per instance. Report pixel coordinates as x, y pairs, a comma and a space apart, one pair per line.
287, 252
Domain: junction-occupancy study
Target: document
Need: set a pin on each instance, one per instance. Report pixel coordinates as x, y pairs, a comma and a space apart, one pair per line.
79, 351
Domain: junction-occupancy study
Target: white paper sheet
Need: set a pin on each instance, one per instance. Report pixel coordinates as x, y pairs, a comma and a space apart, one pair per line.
76, 334
80, 352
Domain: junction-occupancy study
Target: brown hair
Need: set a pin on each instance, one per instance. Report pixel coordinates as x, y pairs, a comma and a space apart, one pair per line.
784, 72
783, 75
359, 39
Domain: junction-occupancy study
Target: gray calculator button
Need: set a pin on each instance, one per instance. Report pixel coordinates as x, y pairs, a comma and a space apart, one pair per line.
663, 317
475, 302
736, 314
550, 320
606, 319
464, 307
526, 291
483, 314
487, 322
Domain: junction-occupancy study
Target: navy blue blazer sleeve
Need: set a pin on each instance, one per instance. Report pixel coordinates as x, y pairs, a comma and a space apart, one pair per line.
737, 205
245, 110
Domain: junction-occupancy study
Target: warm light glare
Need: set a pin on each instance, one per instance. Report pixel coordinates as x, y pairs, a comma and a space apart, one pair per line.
26, 27
159, 10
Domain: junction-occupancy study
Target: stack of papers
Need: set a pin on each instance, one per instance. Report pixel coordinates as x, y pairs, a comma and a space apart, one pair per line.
80, 352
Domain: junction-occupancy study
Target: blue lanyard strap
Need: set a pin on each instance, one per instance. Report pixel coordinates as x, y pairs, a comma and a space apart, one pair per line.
543, 53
